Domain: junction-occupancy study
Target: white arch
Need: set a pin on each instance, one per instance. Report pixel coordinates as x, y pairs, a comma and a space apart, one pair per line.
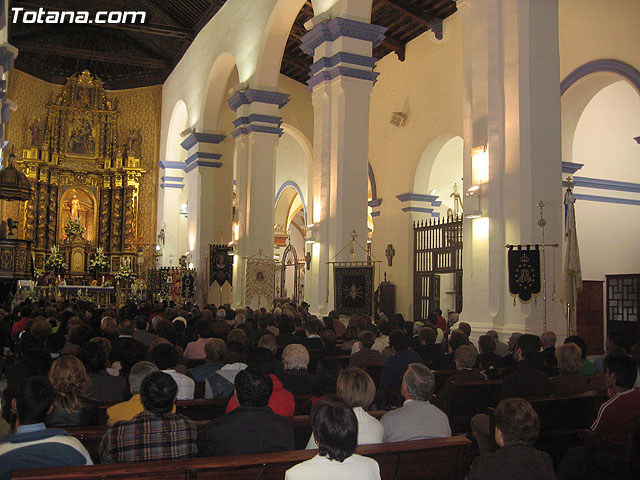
574, 101
302, 140
221, 72
278, 27
274, 38
178, 123
436, 157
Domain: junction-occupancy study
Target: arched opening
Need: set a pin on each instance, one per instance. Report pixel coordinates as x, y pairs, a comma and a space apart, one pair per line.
436, 207
601, 121
438, 176
289, 238
173, 194
604, 142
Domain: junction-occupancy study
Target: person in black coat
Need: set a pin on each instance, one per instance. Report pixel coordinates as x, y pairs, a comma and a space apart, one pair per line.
250, 428
105, 388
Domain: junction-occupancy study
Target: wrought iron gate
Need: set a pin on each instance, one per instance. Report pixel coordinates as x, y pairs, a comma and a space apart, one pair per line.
290, 260
437, 247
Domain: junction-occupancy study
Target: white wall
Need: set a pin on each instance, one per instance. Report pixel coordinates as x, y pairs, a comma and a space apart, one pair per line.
292, 164
447, 170
604, 143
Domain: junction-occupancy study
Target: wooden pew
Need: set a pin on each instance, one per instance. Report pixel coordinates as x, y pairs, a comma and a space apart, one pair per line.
91, 436
469, 398
203, 408
559, 413
435, 459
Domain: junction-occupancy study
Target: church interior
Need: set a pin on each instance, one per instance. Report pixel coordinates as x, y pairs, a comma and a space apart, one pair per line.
255, 227
270, 148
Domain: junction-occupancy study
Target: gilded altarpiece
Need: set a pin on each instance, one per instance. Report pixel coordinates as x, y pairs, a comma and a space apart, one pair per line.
82, 166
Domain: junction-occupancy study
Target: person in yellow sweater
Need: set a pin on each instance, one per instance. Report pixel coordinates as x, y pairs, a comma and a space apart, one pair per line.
132, 407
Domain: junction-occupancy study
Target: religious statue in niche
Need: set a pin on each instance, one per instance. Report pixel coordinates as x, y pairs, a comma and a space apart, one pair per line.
78, 205
75, 205
36, 132
81, 140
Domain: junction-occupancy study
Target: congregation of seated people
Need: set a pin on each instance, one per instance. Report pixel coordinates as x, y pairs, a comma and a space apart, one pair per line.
383, 378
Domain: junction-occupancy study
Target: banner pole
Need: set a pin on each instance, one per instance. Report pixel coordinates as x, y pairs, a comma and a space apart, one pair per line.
541, 223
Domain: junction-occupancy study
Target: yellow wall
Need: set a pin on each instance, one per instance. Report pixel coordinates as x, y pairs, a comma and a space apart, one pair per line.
428, 87
598, 29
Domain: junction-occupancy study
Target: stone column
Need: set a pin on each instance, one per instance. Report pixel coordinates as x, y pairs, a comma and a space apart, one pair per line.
209, 171
341, 81
511, 106
256, 135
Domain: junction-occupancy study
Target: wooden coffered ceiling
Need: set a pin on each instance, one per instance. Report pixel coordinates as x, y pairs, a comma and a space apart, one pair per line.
132, 55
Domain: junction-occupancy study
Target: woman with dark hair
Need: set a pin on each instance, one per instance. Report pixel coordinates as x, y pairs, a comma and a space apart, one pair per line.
335, 430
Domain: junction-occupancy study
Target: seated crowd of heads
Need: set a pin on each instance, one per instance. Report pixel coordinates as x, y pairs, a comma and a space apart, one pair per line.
142, 359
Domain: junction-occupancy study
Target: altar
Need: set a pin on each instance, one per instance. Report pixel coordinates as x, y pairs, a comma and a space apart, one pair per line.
85, 173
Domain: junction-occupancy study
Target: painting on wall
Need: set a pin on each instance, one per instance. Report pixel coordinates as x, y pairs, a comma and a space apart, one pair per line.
81, 139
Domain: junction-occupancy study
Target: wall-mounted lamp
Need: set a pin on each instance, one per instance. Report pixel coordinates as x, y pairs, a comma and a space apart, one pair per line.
474, 214
474, 191
308, 236
480, 164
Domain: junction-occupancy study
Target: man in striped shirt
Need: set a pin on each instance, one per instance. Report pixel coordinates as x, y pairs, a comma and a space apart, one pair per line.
154, 434
34, 445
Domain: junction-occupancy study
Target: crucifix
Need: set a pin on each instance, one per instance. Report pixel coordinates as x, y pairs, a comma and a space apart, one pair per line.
390, 253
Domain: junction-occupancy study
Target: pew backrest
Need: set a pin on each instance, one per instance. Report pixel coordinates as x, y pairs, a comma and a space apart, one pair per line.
90, 437
434, 459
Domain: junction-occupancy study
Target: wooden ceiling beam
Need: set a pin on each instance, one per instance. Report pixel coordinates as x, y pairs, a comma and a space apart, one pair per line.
395, 45
160, 8
208, 15
106, 57
295, 62
410, 12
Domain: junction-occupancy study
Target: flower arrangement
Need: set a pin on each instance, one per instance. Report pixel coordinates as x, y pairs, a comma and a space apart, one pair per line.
125, 273
56, 262
74, 227
99, 262
84, 296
